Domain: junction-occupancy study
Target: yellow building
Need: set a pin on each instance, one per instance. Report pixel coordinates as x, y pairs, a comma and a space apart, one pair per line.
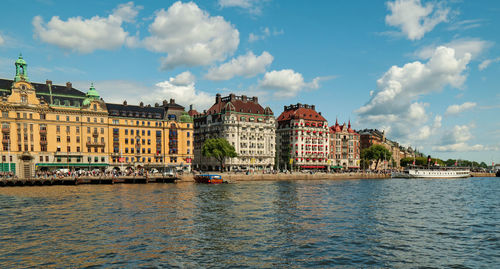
46, 127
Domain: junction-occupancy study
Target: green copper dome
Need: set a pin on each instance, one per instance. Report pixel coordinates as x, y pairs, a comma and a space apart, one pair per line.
185, 118
92, 93
21, 69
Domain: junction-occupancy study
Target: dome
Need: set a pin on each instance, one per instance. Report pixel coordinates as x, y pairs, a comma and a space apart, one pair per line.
92, 93
20, 60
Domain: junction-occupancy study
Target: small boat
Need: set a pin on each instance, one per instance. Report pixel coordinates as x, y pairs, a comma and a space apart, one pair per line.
209, 179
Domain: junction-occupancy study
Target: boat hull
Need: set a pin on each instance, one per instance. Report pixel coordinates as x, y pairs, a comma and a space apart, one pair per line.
430, 173
205, 179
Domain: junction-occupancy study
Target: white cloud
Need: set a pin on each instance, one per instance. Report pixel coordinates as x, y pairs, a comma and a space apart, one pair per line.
181, 88
456, 140
1, 40
474, 46
86, 35
190, 36
247, 66
414, 19
484, 64
456, 109
252, 6
265, 33
394, 106
288, 83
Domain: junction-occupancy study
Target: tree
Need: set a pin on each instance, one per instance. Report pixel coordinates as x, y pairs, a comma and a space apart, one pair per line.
376, 153
219, 149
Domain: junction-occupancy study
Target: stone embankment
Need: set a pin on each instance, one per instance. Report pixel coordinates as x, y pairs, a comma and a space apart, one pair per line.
293, 176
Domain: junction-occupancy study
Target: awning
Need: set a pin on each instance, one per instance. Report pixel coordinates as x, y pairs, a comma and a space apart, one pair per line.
336, 167
312, 167
71, 164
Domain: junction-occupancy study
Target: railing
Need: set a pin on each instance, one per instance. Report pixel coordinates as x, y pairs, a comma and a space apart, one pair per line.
95, 144
5, 130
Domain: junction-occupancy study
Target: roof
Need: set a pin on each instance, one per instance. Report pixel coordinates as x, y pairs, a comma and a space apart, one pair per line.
238, 104
300, 111
61, 95
131, 111
337, 128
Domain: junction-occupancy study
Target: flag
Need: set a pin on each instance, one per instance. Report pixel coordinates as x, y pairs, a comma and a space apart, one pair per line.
413, 162
456, 163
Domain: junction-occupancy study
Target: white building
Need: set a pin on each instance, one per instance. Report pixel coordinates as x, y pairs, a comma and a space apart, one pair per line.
245, 124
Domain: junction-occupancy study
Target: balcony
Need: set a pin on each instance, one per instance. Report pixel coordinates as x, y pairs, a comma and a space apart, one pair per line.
95, 134
43, 142
5, 130
5, 141
95, 144
43, 131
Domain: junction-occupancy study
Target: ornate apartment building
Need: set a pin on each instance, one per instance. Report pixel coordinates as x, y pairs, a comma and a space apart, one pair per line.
302, 138
245, 124
344, 147
369, 137
46, 126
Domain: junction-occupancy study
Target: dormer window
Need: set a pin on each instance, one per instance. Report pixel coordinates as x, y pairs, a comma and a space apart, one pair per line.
95, 107
24, 98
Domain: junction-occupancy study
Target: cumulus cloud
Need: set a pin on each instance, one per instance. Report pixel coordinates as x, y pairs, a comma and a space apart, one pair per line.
252, 6
484, 64
181, 88
1, 40
414, 19
86, 35
456, 140
265, 33
190, 36
456, 109
287, 83
474, 46
394, 105
247, 65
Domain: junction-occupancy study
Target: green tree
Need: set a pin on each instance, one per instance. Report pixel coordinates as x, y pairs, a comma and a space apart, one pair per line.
219, 149
376, 153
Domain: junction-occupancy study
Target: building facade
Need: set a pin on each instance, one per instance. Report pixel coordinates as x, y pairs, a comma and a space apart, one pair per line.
46, 127
344, 147
302, 138
245, 124
369, 137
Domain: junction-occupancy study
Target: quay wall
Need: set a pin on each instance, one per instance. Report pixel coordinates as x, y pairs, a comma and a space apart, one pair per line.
294, 176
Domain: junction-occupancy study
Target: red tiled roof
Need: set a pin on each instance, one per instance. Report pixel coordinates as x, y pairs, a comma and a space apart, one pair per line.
193, 112
301, 113
239, 106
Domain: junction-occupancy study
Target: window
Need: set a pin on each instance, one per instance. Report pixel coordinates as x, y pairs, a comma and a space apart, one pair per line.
31, 116
67, 118
149, 150
94, 107
57, 117
143, 132
68, 129
78, 149
77, 139
102, 130
77, 129
41, 158
58, 149
68, 139
187, 134
126, 140
149, 132
77, 118
126, 131
88, 119
58, 129
68, 149
88, 130
24, 99
132, 132
95, 119
102, 120
58, 139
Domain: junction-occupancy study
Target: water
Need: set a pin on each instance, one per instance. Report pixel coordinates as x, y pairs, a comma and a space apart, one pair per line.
283, 224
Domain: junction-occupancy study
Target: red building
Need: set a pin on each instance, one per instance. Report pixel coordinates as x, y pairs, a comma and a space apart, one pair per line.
344, 147
302, 138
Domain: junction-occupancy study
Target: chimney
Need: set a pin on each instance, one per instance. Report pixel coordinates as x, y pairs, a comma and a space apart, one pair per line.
244, 98
157, 105
218, 99
69, 85
313, 107
149, 105
190, 107
306, 106
172, 101
319, 113
255, 99
232, 97
48, 82
125, 102
165, 103
284, 108
141, 104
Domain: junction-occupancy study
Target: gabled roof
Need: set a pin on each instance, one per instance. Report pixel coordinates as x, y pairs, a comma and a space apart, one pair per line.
238, 104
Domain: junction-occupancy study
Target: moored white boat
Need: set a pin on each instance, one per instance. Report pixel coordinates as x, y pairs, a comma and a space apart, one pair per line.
433, 172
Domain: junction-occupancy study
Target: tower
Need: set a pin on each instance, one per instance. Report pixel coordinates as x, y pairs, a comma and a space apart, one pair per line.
21, 69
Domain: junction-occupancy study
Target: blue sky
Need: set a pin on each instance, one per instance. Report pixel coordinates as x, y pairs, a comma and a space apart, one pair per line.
426, 72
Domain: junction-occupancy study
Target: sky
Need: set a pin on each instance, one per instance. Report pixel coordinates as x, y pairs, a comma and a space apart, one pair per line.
425, 72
